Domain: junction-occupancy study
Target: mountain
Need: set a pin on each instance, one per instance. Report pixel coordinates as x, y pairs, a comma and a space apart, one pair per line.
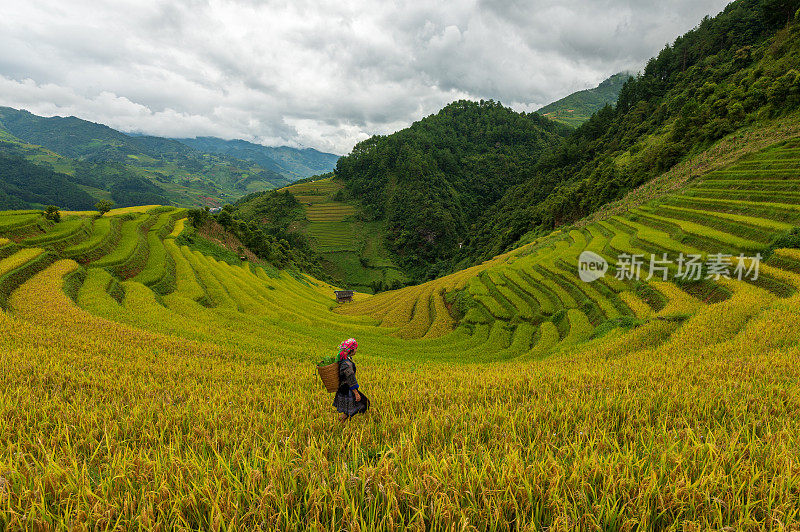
431, 181
292, 163
468, 183
127, 169
740, 69
81, 139
24, 184
575, 109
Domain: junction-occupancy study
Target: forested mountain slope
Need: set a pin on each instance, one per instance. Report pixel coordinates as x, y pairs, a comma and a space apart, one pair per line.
82, 139
456, 188
23, 183
738, 69
431, 181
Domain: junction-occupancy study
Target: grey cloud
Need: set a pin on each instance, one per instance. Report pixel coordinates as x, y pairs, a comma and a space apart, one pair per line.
315, 73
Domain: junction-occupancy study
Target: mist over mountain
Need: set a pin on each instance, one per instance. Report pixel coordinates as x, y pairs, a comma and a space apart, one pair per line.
293, 163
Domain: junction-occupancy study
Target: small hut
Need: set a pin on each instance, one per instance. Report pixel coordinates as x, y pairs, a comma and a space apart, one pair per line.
343, 296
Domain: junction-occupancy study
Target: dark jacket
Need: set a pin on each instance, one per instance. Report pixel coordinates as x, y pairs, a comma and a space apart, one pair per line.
345, 401
347, 374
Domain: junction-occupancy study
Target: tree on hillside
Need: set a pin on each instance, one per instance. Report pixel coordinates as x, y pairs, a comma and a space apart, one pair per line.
197, 217
103, 206
52, 213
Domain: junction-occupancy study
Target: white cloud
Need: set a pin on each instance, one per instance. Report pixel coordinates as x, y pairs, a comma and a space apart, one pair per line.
324, 74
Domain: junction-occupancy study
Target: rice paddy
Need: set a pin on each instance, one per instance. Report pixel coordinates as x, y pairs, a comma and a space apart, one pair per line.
146, 385
327, 225
352, 249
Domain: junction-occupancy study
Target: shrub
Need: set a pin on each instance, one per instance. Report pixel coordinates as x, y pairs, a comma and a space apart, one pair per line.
52, 213
103, 206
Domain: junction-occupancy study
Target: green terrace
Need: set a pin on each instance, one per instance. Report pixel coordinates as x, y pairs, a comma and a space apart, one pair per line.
521, 305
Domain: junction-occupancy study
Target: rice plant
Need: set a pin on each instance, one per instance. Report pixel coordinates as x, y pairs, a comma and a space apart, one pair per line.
509, 395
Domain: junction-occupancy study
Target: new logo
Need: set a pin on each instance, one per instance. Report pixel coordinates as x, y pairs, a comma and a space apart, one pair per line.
591, 266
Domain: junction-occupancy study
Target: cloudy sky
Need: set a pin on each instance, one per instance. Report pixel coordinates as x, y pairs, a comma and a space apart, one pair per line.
319, 74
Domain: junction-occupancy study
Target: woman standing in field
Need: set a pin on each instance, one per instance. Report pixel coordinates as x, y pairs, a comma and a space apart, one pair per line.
348, 400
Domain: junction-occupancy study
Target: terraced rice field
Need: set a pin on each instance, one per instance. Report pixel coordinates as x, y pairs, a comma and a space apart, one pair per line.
329, 212
12, 219
353, 250
105, 233
151, 386
333, 236
327, 218
538, 284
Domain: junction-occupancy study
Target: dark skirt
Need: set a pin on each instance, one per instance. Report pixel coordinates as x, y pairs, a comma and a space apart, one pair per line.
345, 402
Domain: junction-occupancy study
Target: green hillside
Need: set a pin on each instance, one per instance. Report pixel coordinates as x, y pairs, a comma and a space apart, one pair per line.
23, 184
151, 340
469, 183
76, 138
350, 249
400, 204
292, 163
578, 107
429, 183
130, 170
708, 84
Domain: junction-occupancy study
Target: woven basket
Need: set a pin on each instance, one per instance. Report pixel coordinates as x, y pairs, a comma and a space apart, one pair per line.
330, 376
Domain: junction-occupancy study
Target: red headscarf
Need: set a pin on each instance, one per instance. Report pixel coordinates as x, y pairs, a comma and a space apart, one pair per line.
347, 348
